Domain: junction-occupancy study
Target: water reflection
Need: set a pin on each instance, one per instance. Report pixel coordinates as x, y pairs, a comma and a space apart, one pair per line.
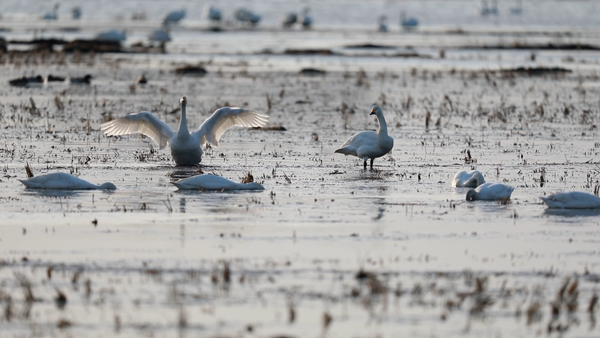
182, 205
184, 172
572, 212
52, 192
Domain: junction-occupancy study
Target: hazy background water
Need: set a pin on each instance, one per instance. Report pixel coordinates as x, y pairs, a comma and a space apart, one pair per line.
339, 14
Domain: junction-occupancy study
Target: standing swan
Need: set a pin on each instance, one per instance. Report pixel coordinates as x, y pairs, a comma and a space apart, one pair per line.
63, 181
185, 146
369, 144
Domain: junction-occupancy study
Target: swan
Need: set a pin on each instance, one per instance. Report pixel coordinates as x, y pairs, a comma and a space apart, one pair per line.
305, 19
247, 16
382, 24
76, 13
174, 17
211, 13
408, 23
213, 182
471, 179
369, 144
518, 9
51, 15
112, 35
490, 192
485, 10
289, 19
572, 200
160, 35
63, 181
185, 146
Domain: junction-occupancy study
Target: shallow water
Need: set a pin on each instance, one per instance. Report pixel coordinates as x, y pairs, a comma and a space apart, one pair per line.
147, 260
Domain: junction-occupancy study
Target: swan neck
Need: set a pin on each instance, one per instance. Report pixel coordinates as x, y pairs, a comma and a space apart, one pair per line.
382, 125
183, 128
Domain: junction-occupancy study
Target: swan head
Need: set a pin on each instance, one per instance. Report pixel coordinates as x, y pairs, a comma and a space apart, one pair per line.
472, 195
376, 111
108, 186
183, 100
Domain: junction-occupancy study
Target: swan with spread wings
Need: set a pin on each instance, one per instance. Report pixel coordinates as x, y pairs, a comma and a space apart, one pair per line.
185, 146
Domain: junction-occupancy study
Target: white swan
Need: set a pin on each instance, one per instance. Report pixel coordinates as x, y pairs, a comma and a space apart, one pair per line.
490, 192
289, 19
211, 13
572, 200
471, 179
518, 9
246, 16
76, 13
112, 35
485, 10
408, 23
160, 35
174, 17
213, 182
63, 181
305, 19
51, 15
382, 26
185, 146
369, 144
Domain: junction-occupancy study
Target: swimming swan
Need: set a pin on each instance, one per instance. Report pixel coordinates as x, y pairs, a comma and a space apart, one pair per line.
382, 26
174, 17
305, 19
112, 35
490, 192
471, 179
572, 200
212, 13
185, 146
213, 182
63, 181
369, 144
408, 23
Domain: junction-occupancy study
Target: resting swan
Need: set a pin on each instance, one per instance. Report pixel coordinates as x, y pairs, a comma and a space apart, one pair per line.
185, 146
490, 192
63, 181
213, 182
369, 144
572, 200
471, 179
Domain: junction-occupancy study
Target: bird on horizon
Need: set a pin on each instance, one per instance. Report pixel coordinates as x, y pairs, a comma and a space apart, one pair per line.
52, 15
408, 23
174, 17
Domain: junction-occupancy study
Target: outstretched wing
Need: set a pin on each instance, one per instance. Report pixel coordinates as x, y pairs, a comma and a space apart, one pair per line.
145, 123
224, 118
